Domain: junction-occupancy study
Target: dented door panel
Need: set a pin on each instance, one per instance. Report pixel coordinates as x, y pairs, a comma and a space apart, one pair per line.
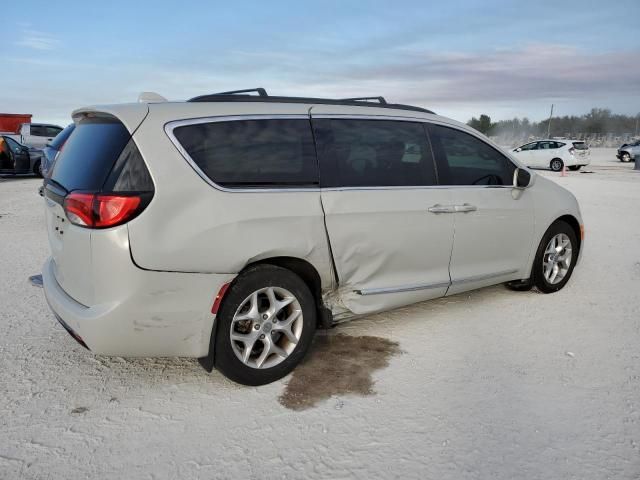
389, 250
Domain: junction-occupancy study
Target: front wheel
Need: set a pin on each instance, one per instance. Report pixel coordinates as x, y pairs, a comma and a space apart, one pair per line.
575, 168
264, 326
626, 158
555, 258
556, 164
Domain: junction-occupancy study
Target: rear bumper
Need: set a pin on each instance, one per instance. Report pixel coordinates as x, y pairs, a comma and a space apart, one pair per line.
156, 314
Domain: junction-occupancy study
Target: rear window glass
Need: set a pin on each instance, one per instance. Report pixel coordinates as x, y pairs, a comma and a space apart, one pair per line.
90, 153
252, 153
580, 146
62, 137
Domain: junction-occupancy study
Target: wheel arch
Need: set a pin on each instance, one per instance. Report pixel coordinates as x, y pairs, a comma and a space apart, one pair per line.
574, 224
307, 273
304, 269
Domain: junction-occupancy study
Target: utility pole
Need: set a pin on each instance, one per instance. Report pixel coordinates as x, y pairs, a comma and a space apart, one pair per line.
549, 124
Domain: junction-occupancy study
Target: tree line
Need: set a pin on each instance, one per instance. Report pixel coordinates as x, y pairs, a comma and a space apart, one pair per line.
598, 124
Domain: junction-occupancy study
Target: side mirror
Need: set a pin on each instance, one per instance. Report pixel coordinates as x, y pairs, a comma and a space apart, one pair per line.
521, 178
518, 149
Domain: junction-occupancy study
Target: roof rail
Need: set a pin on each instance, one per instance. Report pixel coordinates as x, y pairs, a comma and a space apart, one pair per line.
263, 97
240, 93
260, 91
366, 99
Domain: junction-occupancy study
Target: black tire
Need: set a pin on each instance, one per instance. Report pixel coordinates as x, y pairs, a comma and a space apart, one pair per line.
537, 271
556, 164
625, 158
253, 279
575, 168
37, 169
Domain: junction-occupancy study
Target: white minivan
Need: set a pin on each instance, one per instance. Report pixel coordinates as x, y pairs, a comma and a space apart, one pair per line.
230, 226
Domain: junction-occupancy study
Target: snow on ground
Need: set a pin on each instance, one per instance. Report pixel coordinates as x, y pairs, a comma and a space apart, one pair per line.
490, 384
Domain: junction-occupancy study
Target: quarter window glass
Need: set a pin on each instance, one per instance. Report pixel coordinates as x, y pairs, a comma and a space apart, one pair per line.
355, 153
529, 146
463, 159
253, 153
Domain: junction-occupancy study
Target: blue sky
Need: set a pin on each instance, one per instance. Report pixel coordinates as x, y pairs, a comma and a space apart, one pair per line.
458, 58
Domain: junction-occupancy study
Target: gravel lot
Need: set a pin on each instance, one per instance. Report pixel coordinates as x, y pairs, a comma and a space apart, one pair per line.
490, 384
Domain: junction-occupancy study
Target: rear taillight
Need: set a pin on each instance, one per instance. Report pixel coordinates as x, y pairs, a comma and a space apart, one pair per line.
99, 210
571, 150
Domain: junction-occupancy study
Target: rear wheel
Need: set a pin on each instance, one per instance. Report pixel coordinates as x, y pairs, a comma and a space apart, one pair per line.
265, 325
574, 168
556, 164
626, 158
555, 258
37, 168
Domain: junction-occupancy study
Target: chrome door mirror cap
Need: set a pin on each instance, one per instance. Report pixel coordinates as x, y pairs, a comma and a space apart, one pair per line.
521, 178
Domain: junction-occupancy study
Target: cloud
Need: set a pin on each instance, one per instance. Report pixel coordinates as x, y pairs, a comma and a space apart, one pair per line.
532, 72
37, 40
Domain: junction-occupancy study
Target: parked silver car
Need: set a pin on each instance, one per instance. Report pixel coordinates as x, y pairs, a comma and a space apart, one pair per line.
629, 151
229, 227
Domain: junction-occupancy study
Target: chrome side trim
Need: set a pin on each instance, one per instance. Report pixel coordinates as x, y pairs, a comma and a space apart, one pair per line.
477, 278
170, 126
404, 288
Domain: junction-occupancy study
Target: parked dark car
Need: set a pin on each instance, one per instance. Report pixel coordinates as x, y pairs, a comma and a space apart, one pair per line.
53, 149
17, 158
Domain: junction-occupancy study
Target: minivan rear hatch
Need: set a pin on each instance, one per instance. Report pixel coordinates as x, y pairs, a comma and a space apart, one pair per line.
94, 153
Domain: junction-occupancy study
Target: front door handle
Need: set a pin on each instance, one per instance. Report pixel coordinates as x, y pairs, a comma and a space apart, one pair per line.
465, 208
437, 208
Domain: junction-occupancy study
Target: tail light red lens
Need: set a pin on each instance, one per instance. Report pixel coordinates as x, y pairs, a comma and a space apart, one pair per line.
96, 210
79, 208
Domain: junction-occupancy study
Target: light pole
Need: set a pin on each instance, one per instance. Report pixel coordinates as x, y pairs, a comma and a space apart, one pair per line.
549, 124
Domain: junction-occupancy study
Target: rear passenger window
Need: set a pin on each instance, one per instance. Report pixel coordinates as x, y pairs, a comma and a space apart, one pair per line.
463, 159
354, 153
252, 153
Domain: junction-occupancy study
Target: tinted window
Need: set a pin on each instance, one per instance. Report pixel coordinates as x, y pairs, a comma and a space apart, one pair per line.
13, 145
463, 159
52, 131
62, 137
38, 131
529, 146
373, 153
253, 153
580, 146
90, 153
546, 145
129, 174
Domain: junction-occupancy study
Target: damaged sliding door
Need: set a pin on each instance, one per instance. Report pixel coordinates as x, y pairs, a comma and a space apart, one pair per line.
390, 235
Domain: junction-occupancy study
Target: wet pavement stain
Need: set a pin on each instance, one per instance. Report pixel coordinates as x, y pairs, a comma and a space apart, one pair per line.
337, 365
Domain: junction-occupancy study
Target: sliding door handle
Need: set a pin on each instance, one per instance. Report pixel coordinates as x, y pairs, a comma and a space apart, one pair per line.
437, 208
465, 208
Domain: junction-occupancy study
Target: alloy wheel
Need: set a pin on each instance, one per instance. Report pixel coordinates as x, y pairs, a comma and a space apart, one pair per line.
266, 327
557, 257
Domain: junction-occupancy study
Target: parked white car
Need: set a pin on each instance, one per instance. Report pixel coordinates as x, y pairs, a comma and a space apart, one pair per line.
36, 135
554, 154
229, 227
